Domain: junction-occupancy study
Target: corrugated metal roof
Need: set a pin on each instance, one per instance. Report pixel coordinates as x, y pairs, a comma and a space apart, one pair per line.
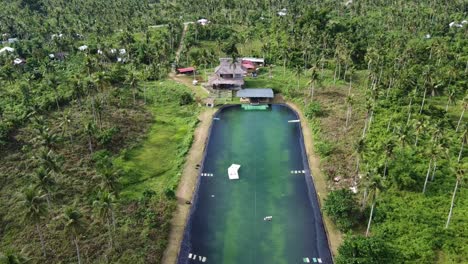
188, 69
256, 92
256, 60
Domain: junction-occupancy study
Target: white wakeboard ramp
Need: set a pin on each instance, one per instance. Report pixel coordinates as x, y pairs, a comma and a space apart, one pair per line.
233, 171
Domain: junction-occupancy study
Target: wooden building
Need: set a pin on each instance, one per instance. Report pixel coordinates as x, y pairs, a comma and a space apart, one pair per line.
228, 75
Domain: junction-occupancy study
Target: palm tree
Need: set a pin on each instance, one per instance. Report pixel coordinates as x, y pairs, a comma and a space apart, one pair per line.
349, 103
50, 160
314, 78
451, 91
45, 137
132, 81
403, 135
419, 128
53, 83
432, 152
32, 202
109, 179
388, 148
104, 207
102, 82
460, 174
298, 72
90, 129
368, 120
465, 106
359, 148
463, 141
411, 95
375, 186
44, 182
74, 226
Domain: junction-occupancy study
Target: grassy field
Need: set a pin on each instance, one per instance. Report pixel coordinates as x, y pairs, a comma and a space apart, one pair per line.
155, 163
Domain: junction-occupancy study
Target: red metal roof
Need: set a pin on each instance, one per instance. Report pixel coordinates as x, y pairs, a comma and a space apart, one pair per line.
248, 66
184, 70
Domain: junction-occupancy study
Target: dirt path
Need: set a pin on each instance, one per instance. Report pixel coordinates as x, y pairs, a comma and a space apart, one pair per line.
334, 235
187, 186
181, 44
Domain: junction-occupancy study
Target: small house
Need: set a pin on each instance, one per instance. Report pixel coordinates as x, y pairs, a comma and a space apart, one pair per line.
256, 95
257, 62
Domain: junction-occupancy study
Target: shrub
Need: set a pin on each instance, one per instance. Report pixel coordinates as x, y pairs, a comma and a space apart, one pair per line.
342, 208
370, 250
170, 193
185, 99
313, 109
324, 148
105, 136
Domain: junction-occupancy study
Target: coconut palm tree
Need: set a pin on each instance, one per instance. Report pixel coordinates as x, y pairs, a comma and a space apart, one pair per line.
451, 91
132, 81
298, 72
388, 149
349, 103
90, 129
32, 201
359, 148
50, 160
465, 106
419, 127
314, 78
375, 185
463, 138
460, 171
53, 82
109, 179
45, 137
432, 152
104, 208
74, 226
66, 125
45, 182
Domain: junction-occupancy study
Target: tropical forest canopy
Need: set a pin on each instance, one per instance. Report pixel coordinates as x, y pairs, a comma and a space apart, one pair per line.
84, 84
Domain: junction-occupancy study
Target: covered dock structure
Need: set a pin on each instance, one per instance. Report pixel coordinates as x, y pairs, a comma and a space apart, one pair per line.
256, 95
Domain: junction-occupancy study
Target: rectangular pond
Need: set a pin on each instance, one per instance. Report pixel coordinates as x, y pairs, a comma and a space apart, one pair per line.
226, 222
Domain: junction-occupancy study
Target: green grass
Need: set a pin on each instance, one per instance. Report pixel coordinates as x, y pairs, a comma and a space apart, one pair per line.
156, 163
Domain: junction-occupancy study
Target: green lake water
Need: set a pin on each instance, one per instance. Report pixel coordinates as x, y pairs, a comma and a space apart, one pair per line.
227, 224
